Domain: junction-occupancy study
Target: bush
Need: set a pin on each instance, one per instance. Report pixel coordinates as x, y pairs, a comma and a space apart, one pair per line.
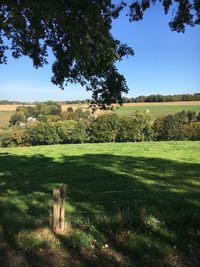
72, 131
170, 128
127, 129
193, 131
19, 136
144, 129
104, 128
6, 138
43, 134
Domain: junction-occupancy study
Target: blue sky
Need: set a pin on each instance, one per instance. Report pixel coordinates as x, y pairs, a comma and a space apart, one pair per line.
165, 62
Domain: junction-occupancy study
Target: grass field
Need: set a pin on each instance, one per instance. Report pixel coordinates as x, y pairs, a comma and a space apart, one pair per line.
5, 117
128, 204
157, 110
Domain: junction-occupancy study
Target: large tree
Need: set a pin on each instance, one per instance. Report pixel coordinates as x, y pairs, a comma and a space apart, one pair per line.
79, 35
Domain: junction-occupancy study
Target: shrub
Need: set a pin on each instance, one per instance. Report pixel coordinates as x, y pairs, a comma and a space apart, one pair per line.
144, 129
6, 138
170, 128
127, 129
43, 134
65, 130
104, 128
193, 131
72, 131
19, 136
42, 118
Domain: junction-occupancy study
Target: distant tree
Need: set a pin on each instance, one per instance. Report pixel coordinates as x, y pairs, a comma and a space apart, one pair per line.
70, 109
19, 116
42, 118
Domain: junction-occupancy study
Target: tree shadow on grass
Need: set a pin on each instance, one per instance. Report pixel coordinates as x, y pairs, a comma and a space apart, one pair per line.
143, 207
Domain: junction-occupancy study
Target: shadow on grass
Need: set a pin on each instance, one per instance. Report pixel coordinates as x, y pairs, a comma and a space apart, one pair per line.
145, 209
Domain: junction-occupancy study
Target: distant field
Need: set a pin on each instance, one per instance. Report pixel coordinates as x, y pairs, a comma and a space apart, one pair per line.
158, 109
128, 204
5, 117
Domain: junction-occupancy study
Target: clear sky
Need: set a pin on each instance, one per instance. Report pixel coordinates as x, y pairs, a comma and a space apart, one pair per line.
165, 62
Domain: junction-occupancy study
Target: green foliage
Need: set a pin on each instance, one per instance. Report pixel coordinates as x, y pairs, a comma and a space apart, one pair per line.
19, 116
48, 108
6, 138
79, 35
163, 98
72, 131
127, 129
53, 118
43, 134
192, 116
78, 114
198, 117
170, 127
42, 118
104, 128
29, 111
193, 131
70, 109
144, 127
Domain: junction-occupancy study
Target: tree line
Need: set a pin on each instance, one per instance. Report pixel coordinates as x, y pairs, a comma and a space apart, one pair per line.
150, 98
78, 126
163, 98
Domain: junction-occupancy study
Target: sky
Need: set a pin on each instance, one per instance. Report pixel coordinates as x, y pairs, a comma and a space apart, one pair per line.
165, 62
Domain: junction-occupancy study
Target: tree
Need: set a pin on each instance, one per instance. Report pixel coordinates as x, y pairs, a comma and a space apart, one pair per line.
79, 35
19, 116
70, 109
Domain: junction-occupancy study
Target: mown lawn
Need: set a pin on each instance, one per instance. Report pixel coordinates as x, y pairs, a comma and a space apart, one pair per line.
157, 111
128, 204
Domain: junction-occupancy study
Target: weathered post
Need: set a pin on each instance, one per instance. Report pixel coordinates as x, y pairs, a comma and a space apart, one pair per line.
58, 209
62, 206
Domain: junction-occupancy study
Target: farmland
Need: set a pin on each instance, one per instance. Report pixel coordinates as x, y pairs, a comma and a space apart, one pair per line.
128, 204
156, 109
5, 117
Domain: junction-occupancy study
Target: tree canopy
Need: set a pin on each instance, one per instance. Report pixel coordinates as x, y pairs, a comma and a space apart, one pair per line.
79, 35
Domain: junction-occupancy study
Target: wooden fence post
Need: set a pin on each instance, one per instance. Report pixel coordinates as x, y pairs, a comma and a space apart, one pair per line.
62, 206
58, 209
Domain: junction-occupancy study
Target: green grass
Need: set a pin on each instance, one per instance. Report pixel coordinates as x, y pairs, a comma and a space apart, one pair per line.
5, 117
156, 111
128, 204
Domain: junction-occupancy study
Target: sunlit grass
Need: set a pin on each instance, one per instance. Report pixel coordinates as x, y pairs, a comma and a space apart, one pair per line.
126, 202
